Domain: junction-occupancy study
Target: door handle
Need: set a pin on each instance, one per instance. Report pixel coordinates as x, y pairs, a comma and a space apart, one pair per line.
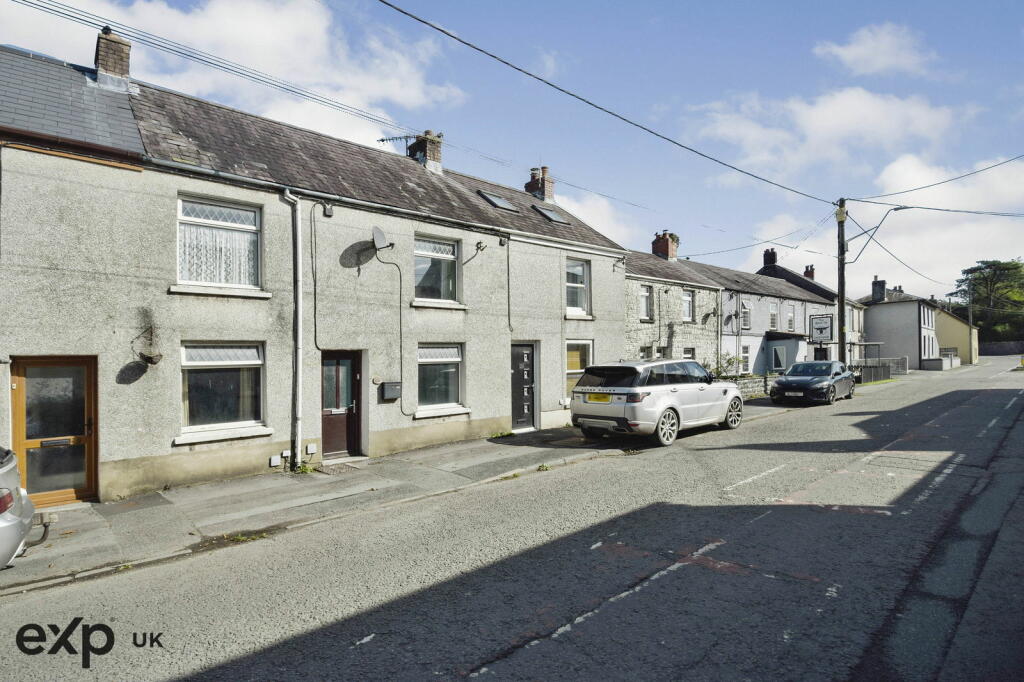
703, 388
675, 390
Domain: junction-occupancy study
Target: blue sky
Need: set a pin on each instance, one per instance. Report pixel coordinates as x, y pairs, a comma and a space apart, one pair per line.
851, 100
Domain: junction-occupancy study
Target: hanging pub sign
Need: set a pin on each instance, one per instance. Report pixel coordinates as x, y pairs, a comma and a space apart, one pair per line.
821, 328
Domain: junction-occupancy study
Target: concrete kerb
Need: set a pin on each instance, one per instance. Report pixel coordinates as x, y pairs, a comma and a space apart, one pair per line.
512, 473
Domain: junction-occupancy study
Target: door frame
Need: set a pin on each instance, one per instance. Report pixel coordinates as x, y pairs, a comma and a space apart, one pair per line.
358, 400
18, 365
536, 385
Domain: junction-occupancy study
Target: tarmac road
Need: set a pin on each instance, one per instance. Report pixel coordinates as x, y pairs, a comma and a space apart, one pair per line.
828, 542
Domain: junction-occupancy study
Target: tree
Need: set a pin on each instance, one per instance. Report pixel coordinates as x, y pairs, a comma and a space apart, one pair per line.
996, 291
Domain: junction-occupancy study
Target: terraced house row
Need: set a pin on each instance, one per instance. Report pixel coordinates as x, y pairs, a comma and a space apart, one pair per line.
191, 292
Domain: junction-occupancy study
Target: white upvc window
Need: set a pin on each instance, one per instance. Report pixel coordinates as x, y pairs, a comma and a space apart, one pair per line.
436, 264
744, 315
577, 286
221, 385
687, 313
773, 315
578, 354
689, 354
440, 375
218, 244
778, 357
791, 318
745, 359
646, 302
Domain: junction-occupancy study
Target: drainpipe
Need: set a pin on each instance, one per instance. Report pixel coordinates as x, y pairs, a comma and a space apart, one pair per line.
296, 329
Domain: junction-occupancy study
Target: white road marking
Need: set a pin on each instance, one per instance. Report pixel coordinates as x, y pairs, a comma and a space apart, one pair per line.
367, 639
833, 591
759, 517
933, 486
596, 545
1012, 401
754, 478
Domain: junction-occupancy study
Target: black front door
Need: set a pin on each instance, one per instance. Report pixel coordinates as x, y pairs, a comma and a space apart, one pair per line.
522, 385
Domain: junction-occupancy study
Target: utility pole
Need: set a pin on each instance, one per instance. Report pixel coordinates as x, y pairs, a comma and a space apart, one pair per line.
970, 321
841, 300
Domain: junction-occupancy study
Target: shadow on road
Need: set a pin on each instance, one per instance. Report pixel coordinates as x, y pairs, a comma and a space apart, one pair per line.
757, 590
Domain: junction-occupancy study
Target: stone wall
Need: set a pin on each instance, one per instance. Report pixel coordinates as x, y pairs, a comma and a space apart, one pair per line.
666, 328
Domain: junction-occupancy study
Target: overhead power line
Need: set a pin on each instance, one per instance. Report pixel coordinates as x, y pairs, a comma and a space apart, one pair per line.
895, 257
942, 182
90, 19
593, 104
1004, 214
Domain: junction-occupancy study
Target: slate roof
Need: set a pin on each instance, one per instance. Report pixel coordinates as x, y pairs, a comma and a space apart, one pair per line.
185, 129
896, 296
648, 265
45, 96
736, 280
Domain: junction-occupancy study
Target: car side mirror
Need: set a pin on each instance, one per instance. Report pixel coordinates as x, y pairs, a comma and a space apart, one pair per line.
710, 378
836, 374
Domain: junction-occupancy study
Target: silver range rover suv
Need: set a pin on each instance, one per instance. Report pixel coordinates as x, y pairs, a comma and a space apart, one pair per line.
656, 397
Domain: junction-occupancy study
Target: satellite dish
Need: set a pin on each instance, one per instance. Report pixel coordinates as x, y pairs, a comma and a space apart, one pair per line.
379, 240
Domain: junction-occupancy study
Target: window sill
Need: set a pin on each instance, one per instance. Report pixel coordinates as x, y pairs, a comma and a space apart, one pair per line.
428, 412
579, 316
231, 292
222, 434
432, 303
646, 320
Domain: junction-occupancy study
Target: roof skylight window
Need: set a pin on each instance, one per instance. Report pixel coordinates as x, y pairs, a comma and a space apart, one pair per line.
498, 202
551, 214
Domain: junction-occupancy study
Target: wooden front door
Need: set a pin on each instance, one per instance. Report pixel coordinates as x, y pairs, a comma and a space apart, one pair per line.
54, 410
340, 409
522, 386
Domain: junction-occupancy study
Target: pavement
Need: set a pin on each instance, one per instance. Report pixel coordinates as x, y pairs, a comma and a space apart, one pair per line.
93, 539
878, 538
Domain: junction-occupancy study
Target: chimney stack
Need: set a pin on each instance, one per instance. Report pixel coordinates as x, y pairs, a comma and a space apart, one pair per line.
541, 185
769, 257
878, 290
112, 55
427, 150
665, 245
809, 272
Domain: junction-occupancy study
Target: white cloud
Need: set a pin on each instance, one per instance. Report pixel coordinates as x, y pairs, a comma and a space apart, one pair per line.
939, 245
600, 214
786, 136
879, 49
548, 64
298, 41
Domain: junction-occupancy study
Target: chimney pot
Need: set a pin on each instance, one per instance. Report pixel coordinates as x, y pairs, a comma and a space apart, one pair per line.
665, 245
809, 271
770, 257
427, 150
113, 55
541, 185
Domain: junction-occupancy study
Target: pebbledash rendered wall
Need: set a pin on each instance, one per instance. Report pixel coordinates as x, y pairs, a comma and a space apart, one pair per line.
89, 253
666, 328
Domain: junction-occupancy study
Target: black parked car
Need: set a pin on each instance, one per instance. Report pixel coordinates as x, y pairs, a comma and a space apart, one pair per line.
817, 381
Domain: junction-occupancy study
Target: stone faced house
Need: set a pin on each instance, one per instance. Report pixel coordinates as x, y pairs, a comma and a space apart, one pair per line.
765, 320
904, 323
671, 311
191, 292
854, 309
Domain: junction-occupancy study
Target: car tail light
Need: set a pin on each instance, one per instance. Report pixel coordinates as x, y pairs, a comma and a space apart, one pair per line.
6, 500
636, 397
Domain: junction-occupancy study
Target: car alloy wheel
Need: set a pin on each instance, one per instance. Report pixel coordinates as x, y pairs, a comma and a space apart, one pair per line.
734, 415
668, 427
831, 396
850, 396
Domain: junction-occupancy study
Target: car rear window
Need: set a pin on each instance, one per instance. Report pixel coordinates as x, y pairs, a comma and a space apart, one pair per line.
607, 377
